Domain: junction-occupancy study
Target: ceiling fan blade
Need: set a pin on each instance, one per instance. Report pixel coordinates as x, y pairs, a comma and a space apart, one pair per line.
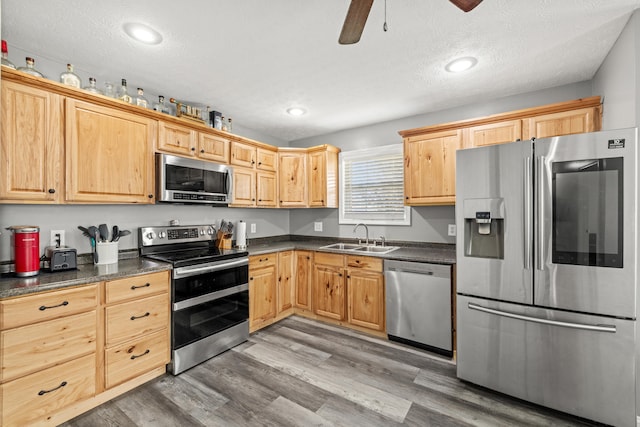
355, 20
466, 5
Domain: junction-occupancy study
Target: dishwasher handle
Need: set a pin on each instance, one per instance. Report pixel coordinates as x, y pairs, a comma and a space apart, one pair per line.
436, 270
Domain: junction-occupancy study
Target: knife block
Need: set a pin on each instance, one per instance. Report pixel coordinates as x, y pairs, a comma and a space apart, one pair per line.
223, 240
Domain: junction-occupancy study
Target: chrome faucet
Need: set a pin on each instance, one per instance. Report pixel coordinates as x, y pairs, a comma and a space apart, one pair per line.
366, 230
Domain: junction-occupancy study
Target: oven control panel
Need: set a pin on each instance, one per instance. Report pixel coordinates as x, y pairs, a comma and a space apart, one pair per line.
151, 236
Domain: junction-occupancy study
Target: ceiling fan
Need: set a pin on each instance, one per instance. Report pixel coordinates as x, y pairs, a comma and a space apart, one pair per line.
359, 11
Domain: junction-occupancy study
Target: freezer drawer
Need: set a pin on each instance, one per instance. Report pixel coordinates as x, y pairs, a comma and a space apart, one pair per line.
418, 304
585, 366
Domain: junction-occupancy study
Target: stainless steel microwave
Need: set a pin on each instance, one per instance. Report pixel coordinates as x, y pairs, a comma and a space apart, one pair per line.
182, 180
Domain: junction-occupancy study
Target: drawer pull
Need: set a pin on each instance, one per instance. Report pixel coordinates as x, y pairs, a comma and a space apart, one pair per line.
140, 317
146, 285
43, 392
134, 357
62, 304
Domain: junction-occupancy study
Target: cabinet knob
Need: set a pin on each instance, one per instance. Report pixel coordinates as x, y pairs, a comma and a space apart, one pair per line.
253, 162
202, 151
253, 200
407, 197
250, 278
259, 200
52, 190
193, 148
259, 163
150, 196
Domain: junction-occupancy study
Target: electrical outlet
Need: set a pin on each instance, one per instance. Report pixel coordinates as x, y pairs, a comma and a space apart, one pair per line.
317, 226
253, 228
452, 230
55, 235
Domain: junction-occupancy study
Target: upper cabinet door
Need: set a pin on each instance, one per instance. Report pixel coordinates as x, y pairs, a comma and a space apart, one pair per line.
430, 168
243, 154
109, 155
176, 139
563, 123
31, 145
323, 178
212, 147
292, 169
267, 159
494, 133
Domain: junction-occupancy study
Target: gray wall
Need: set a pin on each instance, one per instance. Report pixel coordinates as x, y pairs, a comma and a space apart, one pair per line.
429, 223
269, 222
617, 79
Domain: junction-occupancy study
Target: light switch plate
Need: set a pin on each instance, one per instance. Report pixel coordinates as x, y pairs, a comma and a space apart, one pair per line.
317, 226
451, 230
253, 228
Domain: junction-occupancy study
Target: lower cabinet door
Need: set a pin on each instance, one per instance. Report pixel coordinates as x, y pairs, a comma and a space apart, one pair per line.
133, 358
30, 400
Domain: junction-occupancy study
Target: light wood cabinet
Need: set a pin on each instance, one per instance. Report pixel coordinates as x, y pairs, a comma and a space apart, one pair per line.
262, 290
285, 290
109, 155
323, 176
430, 165
183, 140
562, 123
48, 353
137, 333
365, 289
267, 159
494, 133
329, 296
303, 279
292, 170
266, 189
31, 145
243, 154
244, 187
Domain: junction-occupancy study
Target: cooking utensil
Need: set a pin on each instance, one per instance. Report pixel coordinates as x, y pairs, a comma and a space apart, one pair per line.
104, 232
114, 233
122, 233
95, 235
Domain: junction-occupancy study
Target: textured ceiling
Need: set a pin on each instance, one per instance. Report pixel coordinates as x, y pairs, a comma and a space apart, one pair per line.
252, 59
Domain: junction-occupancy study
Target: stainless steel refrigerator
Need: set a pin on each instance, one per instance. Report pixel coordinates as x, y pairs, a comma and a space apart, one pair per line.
547, 260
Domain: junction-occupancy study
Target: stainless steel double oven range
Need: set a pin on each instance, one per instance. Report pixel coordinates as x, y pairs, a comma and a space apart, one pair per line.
209, 291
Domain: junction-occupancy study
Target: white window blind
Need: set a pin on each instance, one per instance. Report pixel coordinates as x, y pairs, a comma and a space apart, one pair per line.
372, 186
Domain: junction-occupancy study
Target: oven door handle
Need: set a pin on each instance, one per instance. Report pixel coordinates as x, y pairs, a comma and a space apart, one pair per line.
209, 297
181, 272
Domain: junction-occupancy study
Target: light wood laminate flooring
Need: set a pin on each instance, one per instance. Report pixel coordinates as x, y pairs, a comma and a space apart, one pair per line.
300, 372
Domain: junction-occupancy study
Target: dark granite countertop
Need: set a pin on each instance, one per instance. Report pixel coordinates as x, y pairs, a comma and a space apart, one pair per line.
11, 286
435, 253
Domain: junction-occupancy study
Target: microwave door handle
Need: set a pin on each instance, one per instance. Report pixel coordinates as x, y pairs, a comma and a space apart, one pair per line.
229, 184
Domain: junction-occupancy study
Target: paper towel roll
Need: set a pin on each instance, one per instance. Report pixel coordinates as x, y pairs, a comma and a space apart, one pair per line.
241, 235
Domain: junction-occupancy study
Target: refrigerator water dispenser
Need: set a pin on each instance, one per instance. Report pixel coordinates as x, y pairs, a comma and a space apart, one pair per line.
484, 228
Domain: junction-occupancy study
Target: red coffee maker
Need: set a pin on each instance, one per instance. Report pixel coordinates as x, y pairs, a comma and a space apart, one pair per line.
26, 249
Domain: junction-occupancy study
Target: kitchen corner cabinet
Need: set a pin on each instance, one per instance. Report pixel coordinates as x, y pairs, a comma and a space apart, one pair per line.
365, 292
303, 280
31, 145
285, 290
177, 139
109, 155
323, 176
262, 290
429, 168
292, 170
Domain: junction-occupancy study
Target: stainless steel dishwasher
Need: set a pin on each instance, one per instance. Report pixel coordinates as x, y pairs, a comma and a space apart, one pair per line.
418, 304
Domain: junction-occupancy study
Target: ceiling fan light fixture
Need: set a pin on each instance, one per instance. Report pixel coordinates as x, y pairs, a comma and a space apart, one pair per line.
142, 33
296, 111
461, 64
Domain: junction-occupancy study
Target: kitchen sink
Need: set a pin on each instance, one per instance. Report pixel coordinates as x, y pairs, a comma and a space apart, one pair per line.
376, 249
342, 246
354, 247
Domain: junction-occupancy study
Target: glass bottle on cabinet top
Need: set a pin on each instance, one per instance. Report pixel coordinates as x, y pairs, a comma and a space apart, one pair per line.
30, 68
70, 78
5, 56
123, 93
162, 106
229, 125
108, 90
224, 124
92, 86
140, 100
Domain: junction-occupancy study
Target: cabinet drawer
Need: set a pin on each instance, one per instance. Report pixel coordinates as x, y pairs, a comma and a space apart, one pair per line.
261, 261
29, 400
45, 306
364, 263
33, 347
136, 287
132, 358
136, 318
329, 259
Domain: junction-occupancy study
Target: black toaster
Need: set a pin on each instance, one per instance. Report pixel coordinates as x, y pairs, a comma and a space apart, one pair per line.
61, 258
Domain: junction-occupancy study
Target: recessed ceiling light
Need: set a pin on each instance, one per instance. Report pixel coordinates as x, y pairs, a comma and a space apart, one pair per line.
461, 64
142, 33
296, 111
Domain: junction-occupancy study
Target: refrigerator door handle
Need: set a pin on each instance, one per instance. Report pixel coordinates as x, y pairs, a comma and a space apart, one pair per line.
540, 217
572, 325
528, 189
